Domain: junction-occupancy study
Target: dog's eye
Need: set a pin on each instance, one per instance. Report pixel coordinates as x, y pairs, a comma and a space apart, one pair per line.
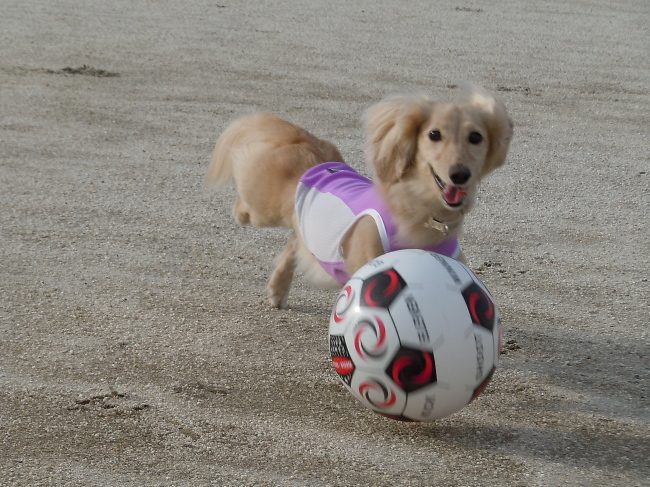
435, 135
475, 138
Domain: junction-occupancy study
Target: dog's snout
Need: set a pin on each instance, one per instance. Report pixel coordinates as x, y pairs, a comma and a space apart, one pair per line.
460, 174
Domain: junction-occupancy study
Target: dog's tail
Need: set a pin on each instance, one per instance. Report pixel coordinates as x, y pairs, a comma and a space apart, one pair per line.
221, 169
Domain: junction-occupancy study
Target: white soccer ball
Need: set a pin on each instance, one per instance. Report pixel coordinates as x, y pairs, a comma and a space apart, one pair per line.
415, 335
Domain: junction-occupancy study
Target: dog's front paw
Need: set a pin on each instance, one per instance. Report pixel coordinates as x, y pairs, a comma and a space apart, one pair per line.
278, 301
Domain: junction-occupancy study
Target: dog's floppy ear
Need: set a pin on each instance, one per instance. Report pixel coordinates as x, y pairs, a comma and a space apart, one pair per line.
498, 124
392, 127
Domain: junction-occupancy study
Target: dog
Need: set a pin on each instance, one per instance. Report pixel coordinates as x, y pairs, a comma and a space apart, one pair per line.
426, 160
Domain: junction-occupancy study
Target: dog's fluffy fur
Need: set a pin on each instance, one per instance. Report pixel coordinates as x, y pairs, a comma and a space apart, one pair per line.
426, 158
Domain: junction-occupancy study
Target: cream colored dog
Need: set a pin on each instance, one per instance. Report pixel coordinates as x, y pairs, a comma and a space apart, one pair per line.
427, 159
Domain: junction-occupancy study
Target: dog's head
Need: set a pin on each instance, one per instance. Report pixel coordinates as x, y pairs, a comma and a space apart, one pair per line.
436, 153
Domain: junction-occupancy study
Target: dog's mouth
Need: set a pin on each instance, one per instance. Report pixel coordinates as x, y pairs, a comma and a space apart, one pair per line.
453, 195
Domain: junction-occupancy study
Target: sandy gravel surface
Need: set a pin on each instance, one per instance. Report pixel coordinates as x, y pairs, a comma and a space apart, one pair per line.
136, 348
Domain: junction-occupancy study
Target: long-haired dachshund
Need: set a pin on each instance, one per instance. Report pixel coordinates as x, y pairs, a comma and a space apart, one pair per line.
426, 159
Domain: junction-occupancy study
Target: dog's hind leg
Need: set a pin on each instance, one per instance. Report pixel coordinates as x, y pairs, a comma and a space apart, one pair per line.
281, 278
240, 211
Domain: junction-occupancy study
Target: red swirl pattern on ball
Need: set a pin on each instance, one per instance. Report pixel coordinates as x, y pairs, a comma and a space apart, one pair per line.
476, 299
403, 368
347, 294
388, 395
480, 306
381, 288
376, 329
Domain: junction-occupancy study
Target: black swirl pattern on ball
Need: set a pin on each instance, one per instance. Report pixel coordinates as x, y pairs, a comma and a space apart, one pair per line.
380, 290
480, 305
412, 369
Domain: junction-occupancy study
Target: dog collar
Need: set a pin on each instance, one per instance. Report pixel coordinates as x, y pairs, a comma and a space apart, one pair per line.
442, 227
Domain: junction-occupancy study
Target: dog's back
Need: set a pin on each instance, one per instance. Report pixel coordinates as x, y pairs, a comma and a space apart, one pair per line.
265, 156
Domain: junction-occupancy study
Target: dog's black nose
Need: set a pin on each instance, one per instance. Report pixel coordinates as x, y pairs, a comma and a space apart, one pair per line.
460, 174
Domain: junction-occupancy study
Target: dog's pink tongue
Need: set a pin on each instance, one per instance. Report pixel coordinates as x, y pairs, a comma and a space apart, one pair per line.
454, 195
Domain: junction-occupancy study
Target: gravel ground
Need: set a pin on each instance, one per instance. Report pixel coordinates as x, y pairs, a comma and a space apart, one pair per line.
136, 348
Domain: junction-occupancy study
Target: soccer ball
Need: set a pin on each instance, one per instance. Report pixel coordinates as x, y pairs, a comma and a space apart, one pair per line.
415, 335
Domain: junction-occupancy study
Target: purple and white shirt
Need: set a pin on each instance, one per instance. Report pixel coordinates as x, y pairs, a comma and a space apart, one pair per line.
330, 199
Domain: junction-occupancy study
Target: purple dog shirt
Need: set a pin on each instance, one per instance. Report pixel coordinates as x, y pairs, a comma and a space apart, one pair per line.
330, 199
